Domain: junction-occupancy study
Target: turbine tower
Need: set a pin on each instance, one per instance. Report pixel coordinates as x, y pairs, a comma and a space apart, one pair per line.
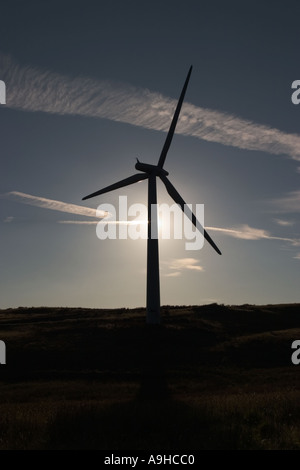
151, 172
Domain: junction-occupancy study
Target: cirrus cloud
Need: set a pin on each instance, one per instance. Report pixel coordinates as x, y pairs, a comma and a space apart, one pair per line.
33, 89
178, 265
52, 204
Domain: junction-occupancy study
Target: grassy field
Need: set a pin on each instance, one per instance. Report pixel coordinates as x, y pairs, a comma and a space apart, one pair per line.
209, 377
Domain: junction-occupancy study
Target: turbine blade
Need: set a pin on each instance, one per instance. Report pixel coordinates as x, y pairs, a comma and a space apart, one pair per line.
126, 182
178, 199
169, 138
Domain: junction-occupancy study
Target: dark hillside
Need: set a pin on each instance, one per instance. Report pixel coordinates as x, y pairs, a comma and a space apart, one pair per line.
205, 367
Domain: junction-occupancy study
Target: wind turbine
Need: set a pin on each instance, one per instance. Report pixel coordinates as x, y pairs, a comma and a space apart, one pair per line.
151, 172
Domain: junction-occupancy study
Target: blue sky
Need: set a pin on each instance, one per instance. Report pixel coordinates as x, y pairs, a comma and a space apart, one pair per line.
92, 86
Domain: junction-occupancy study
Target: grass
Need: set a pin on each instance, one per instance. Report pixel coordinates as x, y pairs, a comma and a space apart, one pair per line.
245, 421
212, 377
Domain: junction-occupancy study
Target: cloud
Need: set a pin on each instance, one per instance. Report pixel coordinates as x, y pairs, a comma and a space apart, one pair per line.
79, 222
52, 204
33, 89
297, 256
243, 231
289, 203
246, 232
284, 223
174, 274
8, 219
105, 222
180, 264
186, 263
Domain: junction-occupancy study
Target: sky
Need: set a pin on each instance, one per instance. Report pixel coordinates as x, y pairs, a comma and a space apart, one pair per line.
90, 87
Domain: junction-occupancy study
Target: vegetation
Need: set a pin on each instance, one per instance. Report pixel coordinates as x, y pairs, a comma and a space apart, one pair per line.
210, 377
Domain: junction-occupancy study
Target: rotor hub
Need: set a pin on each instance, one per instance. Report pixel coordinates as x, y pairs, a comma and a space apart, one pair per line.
151, 169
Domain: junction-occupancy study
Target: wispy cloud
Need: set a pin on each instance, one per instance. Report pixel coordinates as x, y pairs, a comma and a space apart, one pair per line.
297, 256
174, 274
105, 222
284, 223
8, 219
52, 204
240, 231
78, 222
180, 264
246, 232
32, 89
289, 203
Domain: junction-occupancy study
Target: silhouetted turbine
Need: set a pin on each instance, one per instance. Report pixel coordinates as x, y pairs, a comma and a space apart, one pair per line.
151, 172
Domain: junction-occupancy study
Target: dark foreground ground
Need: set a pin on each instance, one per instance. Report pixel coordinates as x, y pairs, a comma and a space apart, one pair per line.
210, 377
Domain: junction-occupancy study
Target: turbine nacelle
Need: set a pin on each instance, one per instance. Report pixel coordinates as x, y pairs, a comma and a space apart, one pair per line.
150, 169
